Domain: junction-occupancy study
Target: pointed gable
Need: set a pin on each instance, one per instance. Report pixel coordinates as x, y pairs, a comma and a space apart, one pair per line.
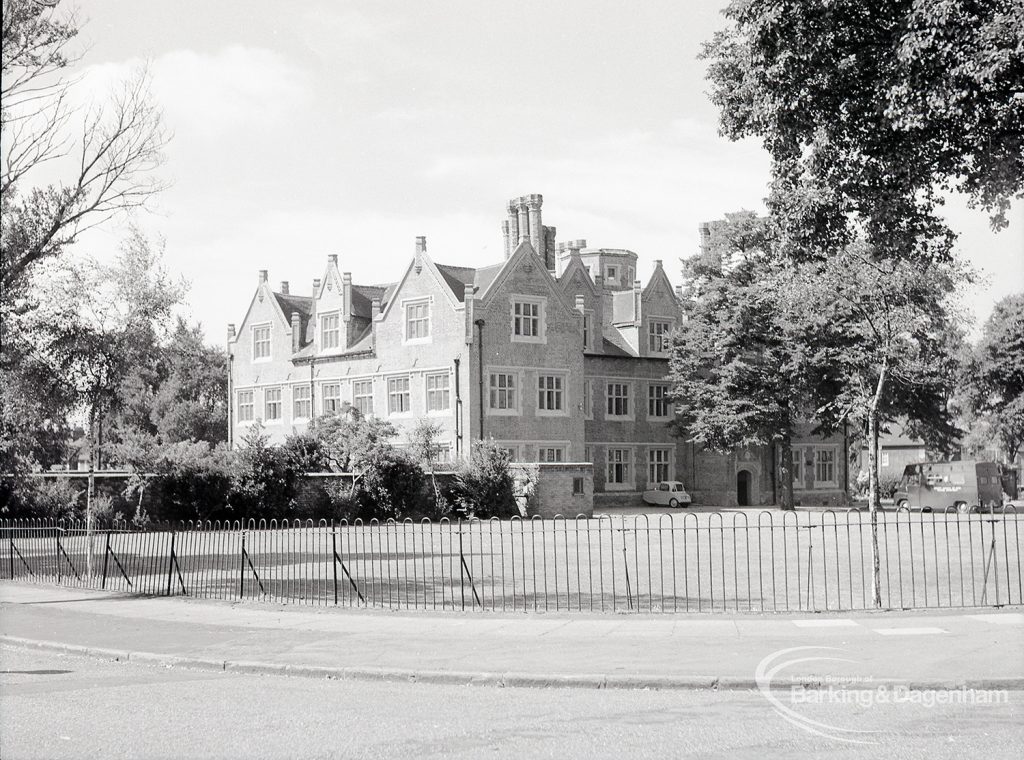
524, 259
659, 285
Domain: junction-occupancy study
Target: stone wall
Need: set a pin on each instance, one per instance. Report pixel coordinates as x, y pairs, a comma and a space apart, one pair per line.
556, 489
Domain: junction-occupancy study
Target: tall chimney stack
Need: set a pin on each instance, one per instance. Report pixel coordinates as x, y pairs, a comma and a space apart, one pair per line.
513, 224
284, 287
264, 276
533, 204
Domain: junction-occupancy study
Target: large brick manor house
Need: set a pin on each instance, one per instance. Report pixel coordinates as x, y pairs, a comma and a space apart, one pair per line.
557, 352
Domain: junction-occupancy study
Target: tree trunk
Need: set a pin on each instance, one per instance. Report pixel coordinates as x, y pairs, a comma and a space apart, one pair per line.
786, 471
874, 498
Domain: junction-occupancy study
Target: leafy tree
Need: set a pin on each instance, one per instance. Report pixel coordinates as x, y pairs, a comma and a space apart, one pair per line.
263, 484
108, 171
871, 110
882, 331
424, 445
995, 379
355, 444
734, 371
177, 391
101, 320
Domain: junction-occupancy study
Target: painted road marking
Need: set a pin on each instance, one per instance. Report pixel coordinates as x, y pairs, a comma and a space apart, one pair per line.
1011, 618
825, 623
908, 631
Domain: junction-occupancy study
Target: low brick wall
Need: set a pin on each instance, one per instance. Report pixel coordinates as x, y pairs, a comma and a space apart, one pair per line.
551, 489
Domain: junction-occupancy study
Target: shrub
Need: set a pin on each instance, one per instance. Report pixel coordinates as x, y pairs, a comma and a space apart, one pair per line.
393, 486
56, 499
485, 486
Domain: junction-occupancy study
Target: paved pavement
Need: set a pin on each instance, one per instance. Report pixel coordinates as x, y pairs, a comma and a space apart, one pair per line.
981, 648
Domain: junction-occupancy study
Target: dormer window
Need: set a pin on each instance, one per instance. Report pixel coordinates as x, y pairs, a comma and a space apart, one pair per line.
261, 342
658, 336
330, 331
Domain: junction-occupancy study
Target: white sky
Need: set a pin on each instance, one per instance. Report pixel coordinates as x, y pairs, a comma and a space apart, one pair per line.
307, 129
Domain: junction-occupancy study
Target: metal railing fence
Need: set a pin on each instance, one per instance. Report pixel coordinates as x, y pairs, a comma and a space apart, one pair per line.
734, 561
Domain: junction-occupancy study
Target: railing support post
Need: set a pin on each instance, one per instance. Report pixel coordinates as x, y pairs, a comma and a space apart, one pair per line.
170, 565
106, 557
334, 561
462, 571
241, 569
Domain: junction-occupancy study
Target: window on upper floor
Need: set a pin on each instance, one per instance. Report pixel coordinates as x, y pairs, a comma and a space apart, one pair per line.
331, 398
246, 407
330, 331
550, 394
611, 273
588, 330
302, 402
658, 336
261, 342
272, 404
657, 400
528, 319
503, 395
399, 401
618, 400
438, 392
417, 320
551, 454
362, 396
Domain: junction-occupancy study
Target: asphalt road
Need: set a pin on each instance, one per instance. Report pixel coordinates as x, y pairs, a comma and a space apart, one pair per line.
60, 706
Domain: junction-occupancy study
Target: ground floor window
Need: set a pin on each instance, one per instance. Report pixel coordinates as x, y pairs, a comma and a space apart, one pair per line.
798, 468
245, 406
398, 395
302, 402
825, 466
272, 403
332, 398
362, 396
659, 465
618, 466
438, 393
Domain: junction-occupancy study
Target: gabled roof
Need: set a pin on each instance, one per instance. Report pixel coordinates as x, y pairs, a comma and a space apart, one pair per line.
659, 280
457, 278
290, 304
362, 296
575, 269
485, 276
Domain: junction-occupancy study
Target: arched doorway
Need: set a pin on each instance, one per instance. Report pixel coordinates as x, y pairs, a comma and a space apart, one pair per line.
743, 490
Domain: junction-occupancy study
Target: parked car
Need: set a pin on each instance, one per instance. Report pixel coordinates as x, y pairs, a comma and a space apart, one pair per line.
668, 493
